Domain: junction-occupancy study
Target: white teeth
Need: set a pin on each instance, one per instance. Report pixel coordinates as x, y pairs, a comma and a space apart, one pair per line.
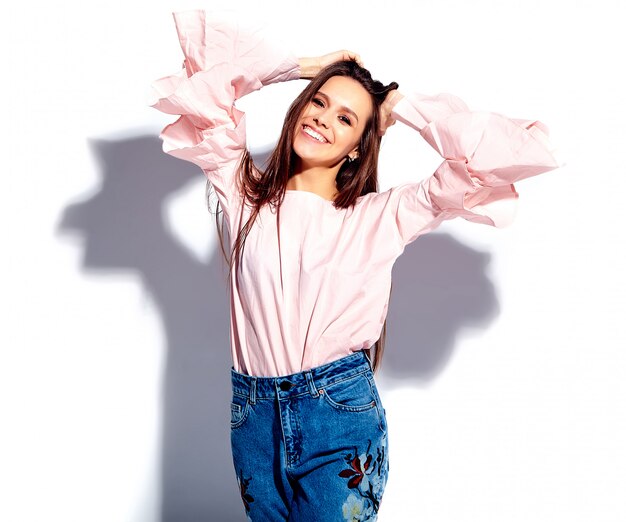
314, 134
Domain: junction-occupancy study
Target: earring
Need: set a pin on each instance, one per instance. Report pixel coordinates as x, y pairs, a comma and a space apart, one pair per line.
351, 159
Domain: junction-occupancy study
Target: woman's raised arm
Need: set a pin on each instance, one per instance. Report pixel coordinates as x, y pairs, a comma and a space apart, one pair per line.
222, 63
484, 153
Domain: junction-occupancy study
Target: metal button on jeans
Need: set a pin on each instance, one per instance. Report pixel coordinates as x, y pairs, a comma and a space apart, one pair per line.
285, 386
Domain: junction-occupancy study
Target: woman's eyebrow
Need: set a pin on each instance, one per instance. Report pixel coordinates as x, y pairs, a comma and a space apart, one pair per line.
342, 108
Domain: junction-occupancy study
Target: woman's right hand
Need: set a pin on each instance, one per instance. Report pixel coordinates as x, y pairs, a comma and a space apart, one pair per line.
386, 119
309, 67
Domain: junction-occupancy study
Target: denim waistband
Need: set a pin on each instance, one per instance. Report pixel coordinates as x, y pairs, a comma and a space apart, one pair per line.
305, 382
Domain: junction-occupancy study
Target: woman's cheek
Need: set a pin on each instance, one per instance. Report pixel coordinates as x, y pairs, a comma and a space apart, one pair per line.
350, 140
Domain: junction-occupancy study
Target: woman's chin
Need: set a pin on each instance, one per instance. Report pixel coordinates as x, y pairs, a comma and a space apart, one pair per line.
310, 161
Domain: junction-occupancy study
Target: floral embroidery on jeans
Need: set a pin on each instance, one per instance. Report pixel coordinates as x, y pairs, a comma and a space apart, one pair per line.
367, 476
243, 490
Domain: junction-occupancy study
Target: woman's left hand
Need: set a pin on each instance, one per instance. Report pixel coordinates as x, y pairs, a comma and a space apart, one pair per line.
309, 67
386, 119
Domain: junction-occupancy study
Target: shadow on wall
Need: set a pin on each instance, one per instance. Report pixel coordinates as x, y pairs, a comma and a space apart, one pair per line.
439, 286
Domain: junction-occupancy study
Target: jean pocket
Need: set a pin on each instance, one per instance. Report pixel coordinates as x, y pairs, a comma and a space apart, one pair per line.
351, 394
239, 408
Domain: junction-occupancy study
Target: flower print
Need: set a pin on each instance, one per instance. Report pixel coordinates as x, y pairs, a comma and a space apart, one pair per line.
378, 483
243, 490
353, 508
357, 509
358, 470
378, 479
367, 477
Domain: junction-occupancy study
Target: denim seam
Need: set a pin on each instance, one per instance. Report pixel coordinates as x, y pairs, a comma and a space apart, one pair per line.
344, 378
379, 405
353, 409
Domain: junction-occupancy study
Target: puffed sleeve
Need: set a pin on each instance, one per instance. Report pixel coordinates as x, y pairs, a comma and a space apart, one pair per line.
222, 63
484, 153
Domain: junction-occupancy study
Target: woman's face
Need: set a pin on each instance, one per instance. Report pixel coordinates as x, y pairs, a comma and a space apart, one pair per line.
332, 123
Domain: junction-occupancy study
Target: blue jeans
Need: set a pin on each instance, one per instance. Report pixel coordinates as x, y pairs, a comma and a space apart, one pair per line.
311, 446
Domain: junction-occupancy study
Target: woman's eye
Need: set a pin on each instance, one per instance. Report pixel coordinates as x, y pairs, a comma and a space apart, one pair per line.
345, 120
318, 102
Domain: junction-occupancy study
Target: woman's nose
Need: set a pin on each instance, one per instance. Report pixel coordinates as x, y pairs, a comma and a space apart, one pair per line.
320, 121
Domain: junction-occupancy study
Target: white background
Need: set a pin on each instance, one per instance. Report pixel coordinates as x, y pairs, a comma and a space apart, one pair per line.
504, 376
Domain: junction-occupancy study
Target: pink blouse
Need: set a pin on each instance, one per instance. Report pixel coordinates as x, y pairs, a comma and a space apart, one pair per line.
314, 281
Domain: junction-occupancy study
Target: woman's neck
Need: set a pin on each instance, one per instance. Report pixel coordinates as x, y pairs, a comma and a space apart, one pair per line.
319, 180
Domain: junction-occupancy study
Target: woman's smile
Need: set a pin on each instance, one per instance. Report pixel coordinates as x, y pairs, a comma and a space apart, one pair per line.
314, 134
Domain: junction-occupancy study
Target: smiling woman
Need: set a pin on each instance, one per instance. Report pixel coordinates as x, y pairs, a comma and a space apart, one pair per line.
327, 132
310, 290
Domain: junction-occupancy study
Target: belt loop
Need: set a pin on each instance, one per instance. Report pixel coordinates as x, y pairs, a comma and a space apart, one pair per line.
309, 380
367, 352
253, 391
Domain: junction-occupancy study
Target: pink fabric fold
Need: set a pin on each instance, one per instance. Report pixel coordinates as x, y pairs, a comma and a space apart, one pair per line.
485, 154
222, 64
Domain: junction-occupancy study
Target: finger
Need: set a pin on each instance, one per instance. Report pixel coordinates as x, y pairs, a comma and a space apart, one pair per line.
354, 56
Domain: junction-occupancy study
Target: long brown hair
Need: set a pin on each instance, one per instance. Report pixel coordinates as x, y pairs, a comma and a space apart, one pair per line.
355, 178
